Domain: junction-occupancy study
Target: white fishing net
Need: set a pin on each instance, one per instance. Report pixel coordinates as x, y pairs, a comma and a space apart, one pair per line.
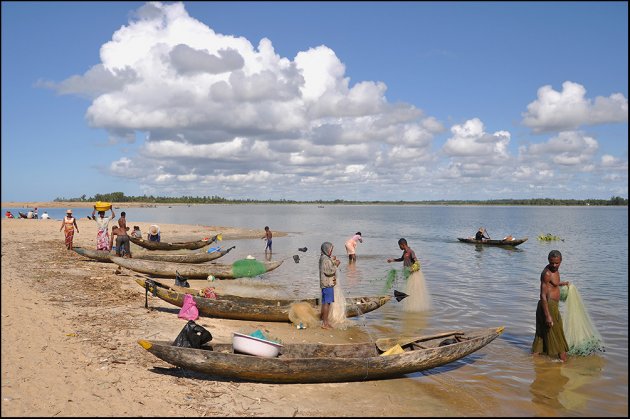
337, 315
579, 330
418, 295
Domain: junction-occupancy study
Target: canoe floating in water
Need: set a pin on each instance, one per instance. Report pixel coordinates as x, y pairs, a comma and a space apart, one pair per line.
235, 307
514, 242
191, 245
239, 269
326, 363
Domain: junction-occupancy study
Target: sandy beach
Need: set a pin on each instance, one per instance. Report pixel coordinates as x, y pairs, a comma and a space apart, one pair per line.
70, 328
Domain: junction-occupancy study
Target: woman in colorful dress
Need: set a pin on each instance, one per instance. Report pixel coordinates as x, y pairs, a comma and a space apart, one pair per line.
69, 224
102, 236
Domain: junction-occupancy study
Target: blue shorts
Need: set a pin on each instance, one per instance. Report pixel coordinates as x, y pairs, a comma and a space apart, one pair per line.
328, 295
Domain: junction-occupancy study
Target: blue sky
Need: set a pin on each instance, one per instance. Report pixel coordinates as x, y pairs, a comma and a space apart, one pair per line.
315, 100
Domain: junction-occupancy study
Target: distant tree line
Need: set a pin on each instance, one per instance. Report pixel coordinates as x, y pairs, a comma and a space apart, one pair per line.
119, 197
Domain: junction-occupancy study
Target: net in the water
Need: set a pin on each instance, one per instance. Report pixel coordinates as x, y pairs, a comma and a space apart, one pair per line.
419, 298
579, 330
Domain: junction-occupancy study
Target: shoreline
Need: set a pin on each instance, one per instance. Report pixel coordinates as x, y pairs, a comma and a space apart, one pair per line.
90, 204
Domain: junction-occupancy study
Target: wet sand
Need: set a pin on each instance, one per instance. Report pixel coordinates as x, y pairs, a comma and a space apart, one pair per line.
70, 328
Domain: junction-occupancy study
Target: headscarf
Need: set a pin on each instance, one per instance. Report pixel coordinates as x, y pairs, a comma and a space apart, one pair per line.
327, 267
326, 248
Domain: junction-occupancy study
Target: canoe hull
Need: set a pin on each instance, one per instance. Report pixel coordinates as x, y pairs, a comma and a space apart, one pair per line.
191, 245
251, 308
99, 255
187, 270
320, 363
200, 257
488, 242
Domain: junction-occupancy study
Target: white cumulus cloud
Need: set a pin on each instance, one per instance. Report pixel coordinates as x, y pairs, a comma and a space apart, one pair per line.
570, 109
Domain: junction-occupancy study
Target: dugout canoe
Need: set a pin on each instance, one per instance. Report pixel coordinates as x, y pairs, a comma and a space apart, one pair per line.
325, 363
514, 242
191, 245
199, 257
197, 271
235, 307
100, 255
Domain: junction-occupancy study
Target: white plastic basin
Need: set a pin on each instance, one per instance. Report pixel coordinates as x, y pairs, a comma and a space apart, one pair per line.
253, 346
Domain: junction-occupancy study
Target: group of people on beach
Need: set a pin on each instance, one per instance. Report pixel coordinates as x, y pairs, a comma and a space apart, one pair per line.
105, 238
549, 337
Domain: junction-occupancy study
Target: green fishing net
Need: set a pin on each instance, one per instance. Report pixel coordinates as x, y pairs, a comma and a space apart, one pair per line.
392, 276
248, 268
579, 330
548, 237
564, 292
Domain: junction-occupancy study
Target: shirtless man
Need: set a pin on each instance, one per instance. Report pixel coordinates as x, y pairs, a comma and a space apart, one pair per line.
268, 237
549, 338
122, 242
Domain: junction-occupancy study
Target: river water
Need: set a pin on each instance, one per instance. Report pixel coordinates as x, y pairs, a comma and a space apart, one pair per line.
471, 286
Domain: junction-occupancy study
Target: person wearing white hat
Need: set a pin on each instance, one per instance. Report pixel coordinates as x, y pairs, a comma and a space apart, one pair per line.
154, 233
69, 223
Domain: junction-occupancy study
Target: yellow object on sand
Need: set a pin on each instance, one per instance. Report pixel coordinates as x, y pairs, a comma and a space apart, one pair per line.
394, 350
102, 206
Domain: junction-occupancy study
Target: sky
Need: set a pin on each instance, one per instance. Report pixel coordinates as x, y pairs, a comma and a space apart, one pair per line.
304, 101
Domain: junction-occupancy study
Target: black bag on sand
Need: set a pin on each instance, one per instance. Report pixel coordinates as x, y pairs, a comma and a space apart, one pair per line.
192, 336
180, 281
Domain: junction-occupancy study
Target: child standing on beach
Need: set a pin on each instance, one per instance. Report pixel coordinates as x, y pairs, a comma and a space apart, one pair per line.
327, 280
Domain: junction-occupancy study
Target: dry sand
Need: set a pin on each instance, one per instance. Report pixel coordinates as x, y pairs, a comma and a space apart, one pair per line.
70, 328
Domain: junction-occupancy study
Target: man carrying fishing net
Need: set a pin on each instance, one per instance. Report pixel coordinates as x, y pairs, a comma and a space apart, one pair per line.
549, 338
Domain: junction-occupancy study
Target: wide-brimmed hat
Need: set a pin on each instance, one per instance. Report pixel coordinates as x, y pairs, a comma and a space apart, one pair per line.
69, 211
154, 229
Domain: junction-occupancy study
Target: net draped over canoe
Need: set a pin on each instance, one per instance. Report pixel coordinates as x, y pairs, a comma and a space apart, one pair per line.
579, 330
248, 268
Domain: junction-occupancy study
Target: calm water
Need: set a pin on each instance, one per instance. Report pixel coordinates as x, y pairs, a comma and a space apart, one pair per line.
470, 286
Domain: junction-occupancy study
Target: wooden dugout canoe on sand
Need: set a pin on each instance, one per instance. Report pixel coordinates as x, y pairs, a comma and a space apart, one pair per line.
514, 242
199, 257
326, 363
191, 245
105, 255
197, 271
100, 255
250, 308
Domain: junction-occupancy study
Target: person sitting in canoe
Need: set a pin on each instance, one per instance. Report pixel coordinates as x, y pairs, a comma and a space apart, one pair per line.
481, 234
154, 234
